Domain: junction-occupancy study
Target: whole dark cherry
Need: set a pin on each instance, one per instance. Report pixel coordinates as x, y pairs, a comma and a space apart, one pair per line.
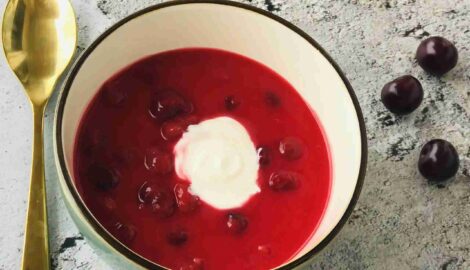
159, 199
173, 129
438, 160
283, 181
158, 161
177, 237
437, 55
231, 103
124, 233
272, 99
168, 104
147, 193
291, 148
163, 204
402, 95
102, 177
186, 201
264, 156
236, 223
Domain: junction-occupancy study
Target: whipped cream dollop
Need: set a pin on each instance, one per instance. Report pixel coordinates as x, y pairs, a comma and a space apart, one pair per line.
219, 159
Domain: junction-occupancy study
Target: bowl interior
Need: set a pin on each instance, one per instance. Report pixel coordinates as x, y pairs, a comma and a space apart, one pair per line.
245, 32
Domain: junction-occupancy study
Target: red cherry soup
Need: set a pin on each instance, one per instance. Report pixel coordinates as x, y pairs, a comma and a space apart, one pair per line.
124, 159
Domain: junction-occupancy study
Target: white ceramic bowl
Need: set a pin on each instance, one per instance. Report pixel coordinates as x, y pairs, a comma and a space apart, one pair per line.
234, 27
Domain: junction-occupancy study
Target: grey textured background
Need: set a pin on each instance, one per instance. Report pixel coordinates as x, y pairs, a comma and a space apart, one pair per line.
400, 222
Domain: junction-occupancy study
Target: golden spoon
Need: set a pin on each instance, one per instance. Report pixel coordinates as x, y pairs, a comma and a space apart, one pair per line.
39, 38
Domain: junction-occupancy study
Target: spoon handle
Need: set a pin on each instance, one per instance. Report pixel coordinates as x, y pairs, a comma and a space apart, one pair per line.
36, 243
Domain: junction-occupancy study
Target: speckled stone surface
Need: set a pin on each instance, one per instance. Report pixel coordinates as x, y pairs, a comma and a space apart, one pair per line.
400, 222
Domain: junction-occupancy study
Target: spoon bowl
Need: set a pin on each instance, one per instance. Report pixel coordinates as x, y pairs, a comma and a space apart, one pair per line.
39, 39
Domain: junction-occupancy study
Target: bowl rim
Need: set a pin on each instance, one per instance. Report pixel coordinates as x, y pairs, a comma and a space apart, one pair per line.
122, 249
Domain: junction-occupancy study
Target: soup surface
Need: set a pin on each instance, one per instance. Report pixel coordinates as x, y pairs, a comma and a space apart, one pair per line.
136, 175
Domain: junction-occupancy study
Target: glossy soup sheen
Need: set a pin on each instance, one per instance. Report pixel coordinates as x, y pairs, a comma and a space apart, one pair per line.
117, 132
